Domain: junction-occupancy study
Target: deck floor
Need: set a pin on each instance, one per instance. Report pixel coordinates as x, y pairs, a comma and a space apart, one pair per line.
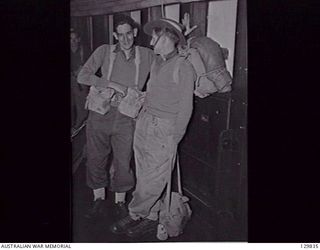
98, 230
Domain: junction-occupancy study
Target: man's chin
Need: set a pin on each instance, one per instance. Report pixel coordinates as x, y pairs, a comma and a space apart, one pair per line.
127, 47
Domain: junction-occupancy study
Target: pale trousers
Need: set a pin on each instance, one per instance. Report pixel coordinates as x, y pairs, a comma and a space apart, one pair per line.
153, 149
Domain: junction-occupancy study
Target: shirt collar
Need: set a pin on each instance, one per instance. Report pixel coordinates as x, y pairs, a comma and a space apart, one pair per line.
170, 55
117, 49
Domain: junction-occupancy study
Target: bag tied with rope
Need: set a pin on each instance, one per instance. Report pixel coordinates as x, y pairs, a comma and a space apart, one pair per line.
131, 104
175, 211
208, 60
98, 99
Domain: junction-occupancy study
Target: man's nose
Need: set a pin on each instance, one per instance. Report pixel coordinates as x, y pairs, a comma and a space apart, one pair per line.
126, 39
152, 41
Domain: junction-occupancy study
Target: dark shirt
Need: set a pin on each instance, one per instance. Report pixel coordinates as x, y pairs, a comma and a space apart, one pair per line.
167, 98
75, 60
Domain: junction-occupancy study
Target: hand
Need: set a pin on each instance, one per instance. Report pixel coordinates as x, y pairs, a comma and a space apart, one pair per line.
200, 94
186, 23
118, 87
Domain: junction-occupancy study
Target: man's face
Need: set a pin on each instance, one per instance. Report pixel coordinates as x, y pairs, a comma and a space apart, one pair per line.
74, 41
158, 42
125, 35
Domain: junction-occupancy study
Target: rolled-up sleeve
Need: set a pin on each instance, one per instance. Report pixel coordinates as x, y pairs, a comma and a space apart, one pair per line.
87, 75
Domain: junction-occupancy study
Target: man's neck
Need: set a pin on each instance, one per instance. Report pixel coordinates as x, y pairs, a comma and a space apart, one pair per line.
165, 55
127, 52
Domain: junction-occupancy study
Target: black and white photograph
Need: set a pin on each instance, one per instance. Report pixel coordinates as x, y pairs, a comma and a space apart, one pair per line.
187, 123
159, 114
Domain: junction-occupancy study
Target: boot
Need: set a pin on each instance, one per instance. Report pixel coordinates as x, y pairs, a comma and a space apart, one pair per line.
146, 226
123, 225
96, 209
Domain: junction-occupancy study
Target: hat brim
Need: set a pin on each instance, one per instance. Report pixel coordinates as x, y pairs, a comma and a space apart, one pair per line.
150, 26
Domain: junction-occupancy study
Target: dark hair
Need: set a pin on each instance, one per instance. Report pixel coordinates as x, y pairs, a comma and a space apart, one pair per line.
172, 34
74, 31
120, 19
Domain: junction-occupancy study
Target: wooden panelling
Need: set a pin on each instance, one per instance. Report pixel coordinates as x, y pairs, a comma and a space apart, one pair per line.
106, 28
154, 13
198, 179
100, 31
185, 8
90, 29
110, 29
221, 26
136, 16
213, 151
82, 27
241, 64
231, 185
144, 39
102, 7
210, 117
238, 117
172, 11
198, 16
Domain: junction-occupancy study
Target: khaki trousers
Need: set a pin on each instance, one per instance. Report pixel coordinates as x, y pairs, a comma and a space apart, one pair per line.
106, 134
153, 149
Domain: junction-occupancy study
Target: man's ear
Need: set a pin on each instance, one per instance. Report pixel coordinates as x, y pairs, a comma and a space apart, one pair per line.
115, 35
135, 32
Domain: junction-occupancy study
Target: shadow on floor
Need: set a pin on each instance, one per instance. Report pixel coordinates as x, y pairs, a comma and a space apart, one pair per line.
98, 230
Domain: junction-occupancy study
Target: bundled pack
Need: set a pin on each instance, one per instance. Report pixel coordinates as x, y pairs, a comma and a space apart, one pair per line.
208, 60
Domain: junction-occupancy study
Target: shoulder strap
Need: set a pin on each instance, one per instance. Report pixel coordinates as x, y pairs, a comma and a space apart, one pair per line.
137, 62
112, 57
176, 69
174, 159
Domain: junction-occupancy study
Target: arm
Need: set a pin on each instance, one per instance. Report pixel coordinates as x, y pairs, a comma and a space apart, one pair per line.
186, 87
147, 59
87, 75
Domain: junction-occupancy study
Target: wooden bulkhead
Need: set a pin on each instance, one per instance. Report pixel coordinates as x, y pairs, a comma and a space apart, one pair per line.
214, 149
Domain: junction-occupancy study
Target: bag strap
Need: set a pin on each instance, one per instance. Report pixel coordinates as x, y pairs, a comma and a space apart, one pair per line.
216, 71
179, 175
175, 157
112, 57
137, 62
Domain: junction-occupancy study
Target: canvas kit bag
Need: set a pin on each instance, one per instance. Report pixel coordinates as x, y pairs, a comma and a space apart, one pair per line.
175, 211
131, 104
99, 99
207, 58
